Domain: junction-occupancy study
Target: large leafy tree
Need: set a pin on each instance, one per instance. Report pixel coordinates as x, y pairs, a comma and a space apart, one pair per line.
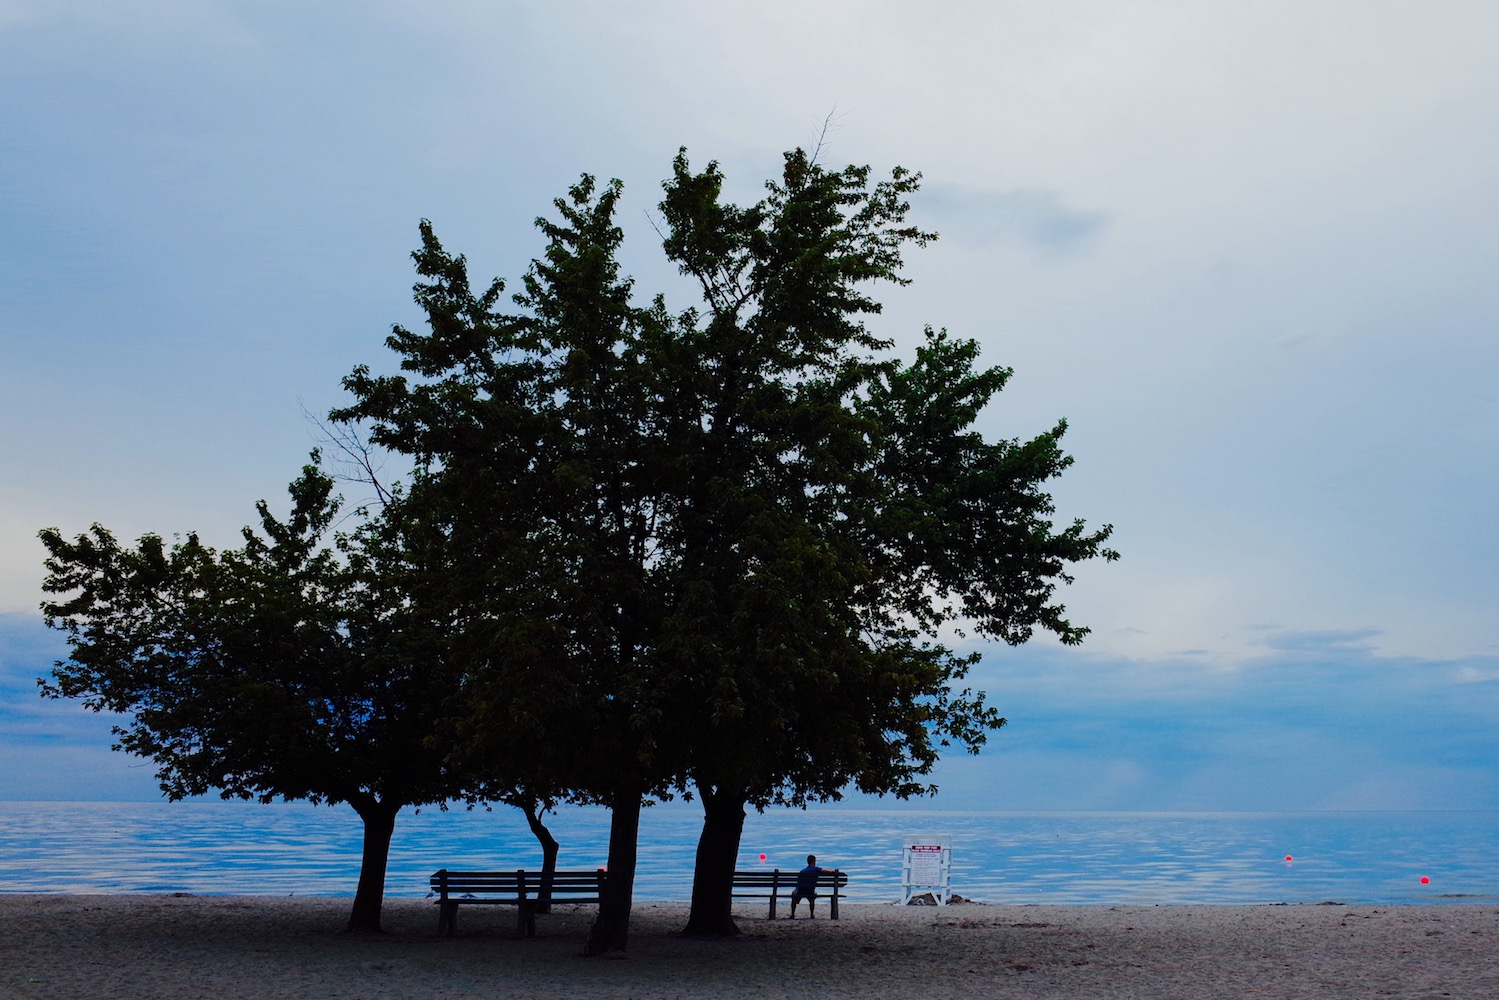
837, 511
299, 665
536, 436
711, 551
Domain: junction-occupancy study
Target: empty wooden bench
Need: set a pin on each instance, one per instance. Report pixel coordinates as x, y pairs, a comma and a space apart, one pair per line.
777, 884
520, 889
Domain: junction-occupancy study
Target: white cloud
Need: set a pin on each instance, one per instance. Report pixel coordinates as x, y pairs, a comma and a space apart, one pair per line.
1037, 219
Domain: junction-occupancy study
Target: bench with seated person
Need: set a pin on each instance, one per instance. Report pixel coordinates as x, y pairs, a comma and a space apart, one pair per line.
526, 891
798, 885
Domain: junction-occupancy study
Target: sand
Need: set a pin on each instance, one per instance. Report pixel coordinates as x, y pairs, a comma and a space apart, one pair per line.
226, 948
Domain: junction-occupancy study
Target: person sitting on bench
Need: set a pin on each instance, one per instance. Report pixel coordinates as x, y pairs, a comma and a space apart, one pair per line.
806, 886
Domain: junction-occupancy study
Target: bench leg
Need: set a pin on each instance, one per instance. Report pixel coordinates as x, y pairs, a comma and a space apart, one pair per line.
447, 918
525, 920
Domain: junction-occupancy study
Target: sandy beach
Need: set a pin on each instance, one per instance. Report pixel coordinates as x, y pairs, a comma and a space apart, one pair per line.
227, 948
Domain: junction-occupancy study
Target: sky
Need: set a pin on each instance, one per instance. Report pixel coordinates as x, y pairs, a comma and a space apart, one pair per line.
1246, 249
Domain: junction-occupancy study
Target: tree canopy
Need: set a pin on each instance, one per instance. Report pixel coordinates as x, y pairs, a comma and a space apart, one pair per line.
711, 551
296, 666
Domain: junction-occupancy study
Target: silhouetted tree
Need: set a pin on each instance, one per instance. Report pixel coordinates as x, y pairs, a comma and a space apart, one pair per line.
541, 457
711, 551
837, 511
300, 665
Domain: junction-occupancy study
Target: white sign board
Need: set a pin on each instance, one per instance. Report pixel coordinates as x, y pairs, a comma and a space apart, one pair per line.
926, 864
927, 868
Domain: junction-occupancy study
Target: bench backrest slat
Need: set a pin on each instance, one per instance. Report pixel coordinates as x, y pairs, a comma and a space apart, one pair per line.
756, 879
516, 882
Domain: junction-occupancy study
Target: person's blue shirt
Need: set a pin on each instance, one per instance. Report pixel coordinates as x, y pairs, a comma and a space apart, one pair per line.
806, 880
806, 885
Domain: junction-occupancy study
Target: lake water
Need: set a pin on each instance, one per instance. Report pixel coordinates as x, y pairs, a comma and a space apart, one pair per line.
999, 857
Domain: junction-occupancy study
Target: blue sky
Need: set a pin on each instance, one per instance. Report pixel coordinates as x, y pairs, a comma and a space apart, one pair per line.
1244, 248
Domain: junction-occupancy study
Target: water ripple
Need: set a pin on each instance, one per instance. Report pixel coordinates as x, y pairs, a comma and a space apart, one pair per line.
1076, 858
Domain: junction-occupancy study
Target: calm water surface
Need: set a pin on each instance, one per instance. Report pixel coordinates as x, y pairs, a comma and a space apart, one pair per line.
1081, 858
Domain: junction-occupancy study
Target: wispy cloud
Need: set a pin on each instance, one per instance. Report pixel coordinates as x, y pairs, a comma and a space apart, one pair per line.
1036, 218
55, 749
1313, 720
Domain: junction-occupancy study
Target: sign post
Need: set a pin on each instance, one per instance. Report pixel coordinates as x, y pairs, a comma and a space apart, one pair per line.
927, 868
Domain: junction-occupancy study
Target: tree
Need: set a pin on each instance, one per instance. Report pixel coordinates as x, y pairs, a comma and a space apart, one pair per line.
286, 668
838, 512
535, 432
711, 551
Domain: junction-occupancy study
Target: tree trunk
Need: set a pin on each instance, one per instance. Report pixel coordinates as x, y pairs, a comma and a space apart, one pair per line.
549, 848
379, 826
611, 931
713, 875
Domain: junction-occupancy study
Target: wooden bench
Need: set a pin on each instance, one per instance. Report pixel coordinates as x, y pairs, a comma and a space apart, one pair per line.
775, 884
520, 889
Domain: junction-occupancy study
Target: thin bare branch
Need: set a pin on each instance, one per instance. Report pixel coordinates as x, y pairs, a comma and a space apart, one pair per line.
831, 123
358, 464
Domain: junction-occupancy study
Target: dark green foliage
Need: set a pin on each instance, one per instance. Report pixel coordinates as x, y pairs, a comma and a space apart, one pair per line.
297, 666
711, 551
538, 436
642, 553
840, 510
